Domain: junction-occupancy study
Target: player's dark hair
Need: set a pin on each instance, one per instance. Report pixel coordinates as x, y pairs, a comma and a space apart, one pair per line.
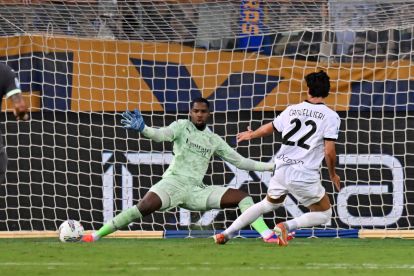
318, 83
199, 100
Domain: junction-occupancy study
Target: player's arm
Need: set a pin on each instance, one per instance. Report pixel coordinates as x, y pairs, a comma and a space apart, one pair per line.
330, 135
267, 129
233, 157
262, 131
20, 108
330, 159
12, 90
135, 121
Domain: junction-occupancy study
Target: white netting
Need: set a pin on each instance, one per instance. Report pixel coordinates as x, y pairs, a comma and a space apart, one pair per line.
85, 62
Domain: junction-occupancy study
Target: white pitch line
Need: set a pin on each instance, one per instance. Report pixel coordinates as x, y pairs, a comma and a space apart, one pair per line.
361, 266
208, 266
35, 264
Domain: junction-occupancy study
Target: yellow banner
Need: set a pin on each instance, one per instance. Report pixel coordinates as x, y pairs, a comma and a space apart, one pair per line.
98, 75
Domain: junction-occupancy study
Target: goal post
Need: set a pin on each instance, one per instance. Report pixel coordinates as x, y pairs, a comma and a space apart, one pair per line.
82, 63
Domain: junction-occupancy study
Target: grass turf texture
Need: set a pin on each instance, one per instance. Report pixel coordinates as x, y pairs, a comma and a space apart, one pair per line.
203, 257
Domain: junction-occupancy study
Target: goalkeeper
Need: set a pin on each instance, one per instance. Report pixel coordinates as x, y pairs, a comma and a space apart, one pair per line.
181, 185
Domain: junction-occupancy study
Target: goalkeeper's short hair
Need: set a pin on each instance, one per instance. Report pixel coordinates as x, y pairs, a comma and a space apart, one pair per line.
318, 83
199, 100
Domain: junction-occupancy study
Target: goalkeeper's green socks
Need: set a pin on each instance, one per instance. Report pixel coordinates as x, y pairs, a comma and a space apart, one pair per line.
259, 225
118, 222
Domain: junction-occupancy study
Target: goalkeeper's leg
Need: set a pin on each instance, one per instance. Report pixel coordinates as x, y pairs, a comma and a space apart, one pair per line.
163, 195
149, 204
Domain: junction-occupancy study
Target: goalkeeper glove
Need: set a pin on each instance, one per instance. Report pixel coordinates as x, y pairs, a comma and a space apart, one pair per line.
133, 120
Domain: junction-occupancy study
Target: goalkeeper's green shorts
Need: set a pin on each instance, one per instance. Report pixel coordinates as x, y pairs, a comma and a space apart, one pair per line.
175, 192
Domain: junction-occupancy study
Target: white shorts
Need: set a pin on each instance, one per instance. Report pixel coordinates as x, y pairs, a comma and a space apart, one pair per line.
305, 187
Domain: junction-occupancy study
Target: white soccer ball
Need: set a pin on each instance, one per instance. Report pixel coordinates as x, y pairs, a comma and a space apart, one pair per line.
70, 231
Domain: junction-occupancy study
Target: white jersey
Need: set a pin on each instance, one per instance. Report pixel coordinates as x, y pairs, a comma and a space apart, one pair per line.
304, 128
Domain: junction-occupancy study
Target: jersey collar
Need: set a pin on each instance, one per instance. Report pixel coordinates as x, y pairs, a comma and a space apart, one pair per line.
313, 103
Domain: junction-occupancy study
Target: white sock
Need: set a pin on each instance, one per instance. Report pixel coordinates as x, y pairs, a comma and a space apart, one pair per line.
95, 236
309, 219
266, 234
249, 216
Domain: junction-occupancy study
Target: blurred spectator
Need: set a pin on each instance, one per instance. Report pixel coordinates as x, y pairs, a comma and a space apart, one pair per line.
214, 30
348, 17
339, 13
297, 44
183, 22
131, 19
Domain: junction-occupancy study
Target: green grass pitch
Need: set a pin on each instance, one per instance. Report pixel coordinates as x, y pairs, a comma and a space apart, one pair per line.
202, 257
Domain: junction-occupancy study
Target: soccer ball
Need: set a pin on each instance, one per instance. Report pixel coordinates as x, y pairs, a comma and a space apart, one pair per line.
70, 231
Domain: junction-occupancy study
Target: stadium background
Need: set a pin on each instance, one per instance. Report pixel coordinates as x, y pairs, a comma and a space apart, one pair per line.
80, 86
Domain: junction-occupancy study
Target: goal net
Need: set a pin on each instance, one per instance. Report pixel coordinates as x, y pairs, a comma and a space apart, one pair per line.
82, 63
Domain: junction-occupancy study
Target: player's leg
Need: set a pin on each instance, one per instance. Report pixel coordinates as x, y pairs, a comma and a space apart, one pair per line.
320, 213
275, 196
311, 194
237, 198
159, 197
252, 214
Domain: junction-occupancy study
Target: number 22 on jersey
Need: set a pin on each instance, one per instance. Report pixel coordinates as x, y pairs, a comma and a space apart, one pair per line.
307, 133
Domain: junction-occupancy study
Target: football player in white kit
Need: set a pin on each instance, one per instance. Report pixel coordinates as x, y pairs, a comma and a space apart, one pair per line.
309, 131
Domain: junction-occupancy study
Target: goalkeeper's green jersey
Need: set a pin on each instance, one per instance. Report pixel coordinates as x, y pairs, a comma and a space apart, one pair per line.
194, 148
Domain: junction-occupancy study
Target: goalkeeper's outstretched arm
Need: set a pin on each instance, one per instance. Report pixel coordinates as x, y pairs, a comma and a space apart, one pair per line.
233, 157
135, 121
158, 134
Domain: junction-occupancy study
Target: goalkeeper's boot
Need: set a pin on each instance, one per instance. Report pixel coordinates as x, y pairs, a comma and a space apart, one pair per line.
220, 238
281, 231
88, 238
273, 238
